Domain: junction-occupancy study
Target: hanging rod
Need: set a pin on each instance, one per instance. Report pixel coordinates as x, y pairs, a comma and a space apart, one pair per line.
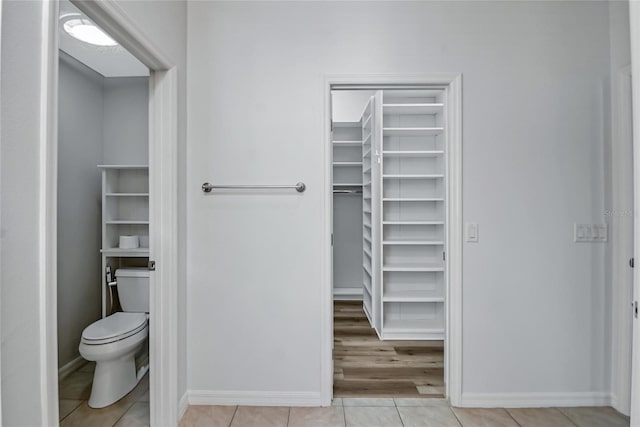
207, 187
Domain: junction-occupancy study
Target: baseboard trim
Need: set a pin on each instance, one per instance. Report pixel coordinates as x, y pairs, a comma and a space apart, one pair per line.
534, 400
183, 404
70, 367
254, 398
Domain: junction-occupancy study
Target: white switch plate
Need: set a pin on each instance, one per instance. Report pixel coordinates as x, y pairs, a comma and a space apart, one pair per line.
590, 232
471, 232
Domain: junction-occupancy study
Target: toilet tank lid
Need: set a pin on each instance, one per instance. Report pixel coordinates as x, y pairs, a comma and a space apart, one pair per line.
132, 272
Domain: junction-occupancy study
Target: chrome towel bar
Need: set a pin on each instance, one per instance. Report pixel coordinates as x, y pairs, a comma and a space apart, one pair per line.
207, 187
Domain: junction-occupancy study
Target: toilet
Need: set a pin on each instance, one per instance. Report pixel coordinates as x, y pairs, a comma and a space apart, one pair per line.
113, 342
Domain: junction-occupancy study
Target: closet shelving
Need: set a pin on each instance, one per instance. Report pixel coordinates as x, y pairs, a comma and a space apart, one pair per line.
125, 211
368, 260
412, 206
347, 206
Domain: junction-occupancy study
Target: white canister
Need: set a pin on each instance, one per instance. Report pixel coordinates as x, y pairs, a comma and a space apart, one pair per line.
129, 242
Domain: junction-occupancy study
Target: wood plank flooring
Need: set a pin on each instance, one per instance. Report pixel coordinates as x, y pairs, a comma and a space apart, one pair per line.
365, 366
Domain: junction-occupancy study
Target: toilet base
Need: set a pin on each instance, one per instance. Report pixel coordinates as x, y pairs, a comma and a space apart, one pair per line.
112, 380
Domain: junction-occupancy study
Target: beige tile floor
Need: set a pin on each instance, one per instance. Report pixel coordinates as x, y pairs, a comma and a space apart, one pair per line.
388, 412
132, 410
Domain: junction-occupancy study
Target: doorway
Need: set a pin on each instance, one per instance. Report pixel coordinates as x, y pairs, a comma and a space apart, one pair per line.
395, 230
162, 207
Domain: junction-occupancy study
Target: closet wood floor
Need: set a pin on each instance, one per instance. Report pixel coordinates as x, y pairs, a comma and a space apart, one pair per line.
365, 366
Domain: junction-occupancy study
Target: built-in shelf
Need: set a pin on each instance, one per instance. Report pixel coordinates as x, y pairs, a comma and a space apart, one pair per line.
412, 176
413, 242
413, 266
123, 166
338, 184
423, 326
347, 164
414, 153
366, 121
413, 296
413, 222
125, 253
413, 199
127, 194
413, 109
126, 222
413, 131
366, 268
347, 143
346, 124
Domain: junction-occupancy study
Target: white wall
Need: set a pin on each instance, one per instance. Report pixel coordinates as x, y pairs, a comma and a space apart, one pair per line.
80, 129
347, 106
20, 244
126, 120
535, 76
19, 200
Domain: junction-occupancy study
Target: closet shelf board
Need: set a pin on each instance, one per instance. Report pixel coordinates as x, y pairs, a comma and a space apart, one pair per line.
367, 120
123, 166
412, 176
413, 222
125, 222
346, 124
413, 296
416, 153
418, 267
412, 243
346, 164
341, 184
347, 143
412, 199
413, 109
412, 131
127, 194
367, 270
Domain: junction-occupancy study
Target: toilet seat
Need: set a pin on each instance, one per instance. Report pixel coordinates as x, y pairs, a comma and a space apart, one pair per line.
115, 327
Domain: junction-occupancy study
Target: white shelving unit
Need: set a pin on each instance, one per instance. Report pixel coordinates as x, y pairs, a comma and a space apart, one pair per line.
347, 210
370, 281
125, 210
413, 211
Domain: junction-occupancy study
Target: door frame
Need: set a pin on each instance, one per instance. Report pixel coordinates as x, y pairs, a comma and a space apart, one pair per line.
163, 205
621, 220
634, 21
452, 82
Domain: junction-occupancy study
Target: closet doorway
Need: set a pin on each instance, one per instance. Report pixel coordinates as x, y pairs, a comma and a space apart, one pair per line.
396, 227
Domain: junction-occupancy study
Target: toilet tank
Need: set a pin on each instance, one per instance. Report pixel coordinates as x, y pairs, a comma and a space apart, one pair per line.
133, 289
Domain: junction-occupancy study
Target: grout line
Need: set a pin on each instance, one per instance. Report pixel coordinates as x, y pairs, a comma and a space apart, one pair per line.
512, 417
455, 415
567, 417
289, 416
398, 412
234, 415
73, 410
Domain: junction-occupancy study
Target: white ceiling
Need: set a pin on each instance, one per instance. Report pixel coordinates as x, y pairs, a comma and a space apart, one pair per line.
110, 61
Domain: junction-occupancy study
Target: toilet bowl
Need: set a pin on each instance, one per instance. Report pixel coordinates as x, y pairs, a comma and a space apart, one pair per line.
112, 343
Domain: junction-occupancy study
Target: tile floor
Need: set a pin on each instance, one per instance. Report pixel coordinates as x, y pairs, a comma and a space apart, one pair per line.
406, 412
132, 410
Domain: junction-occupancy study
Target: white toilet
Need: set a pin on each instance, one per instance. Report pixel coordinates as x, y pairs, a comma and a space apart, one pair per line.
113, 342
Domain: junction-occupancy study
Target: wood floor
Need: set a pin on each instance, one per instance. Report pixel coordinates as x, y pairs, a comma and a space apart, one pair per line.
365, 366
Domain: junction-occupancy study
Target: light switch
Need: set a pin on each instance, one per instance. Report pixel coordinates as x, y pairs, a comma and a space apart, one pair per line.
590, 232
471, 232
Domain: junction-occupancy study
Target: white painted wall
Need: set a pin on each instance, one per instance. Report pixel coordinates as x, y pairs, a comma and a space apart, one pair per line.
348, 105
165, 23
126, 120
19, 201
80, 144
535, 79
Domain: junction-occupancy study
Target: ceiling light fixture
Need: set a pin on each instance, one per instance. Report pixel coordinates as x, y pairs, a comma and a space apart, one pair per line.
88, 32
